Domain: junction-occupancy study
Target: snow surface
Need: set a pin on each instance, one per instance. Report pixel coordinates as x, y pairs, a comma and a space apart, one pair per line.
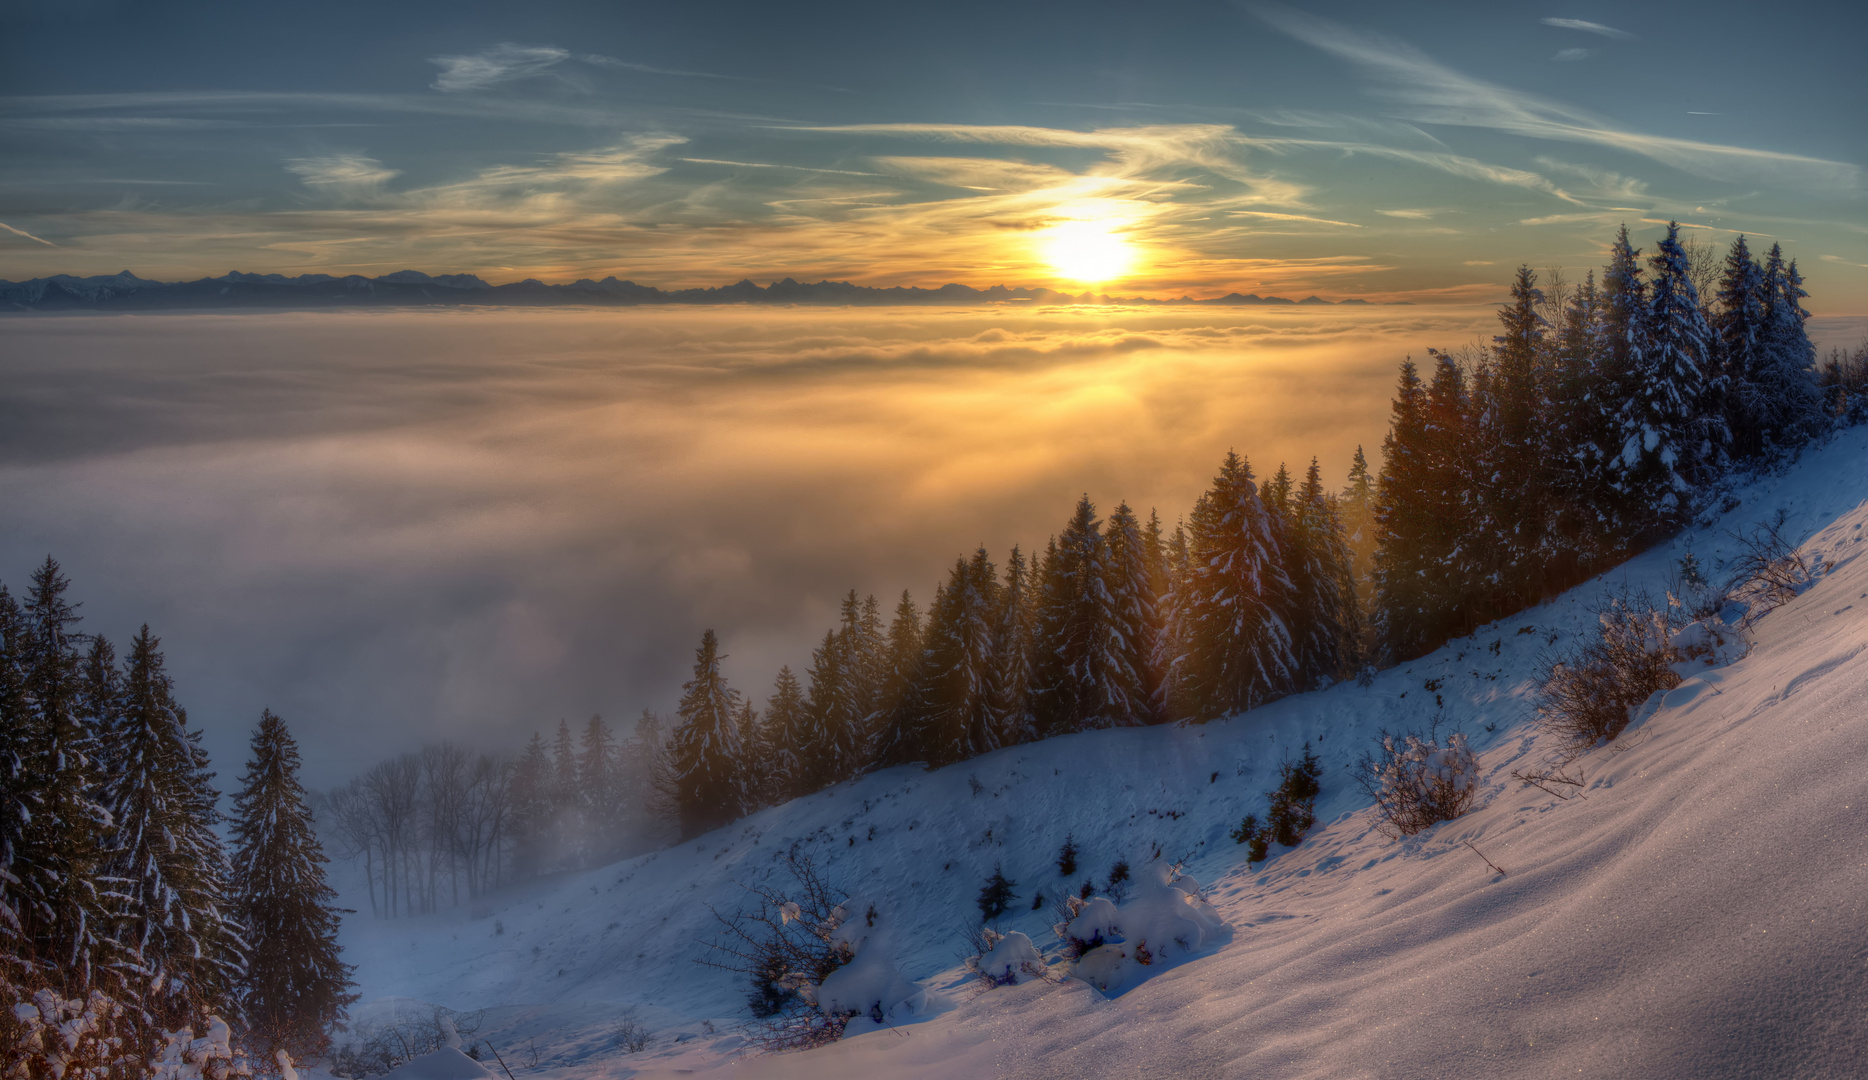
1696, 911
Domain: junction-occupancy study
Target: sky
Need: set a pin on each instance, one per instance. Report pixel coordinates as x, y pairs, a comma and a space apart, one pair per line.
1345, 149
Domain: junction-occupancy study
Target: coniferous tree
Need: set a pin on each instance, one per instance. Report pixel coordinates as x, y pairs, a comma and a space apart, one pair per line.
1237, 649
786, 726
1514, 471
1085, 670
705, 754
296, 987
18, 797
1133, 620
1324, 620
1356, 508
1012, 656
828, 739
756, 781
1740, 330
1408, 503
1671, 439
164, 848
1787, 376
1176, 614
532, 782
68, 906
947, 717
597, 792
903, 661
1580, 440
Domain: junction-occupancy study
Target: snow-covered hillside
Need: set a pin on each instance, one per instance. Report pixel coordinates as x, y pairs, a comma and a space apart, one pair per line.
1699, 911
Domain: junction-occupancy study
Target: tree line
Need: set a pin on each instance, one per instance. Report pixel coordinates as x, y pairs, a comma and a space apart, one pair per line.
443, 825
122, 914
1596, 422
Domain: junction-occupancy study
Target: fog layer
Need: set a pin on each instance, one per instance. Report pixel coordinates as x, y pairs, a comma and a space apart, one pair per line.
392, 528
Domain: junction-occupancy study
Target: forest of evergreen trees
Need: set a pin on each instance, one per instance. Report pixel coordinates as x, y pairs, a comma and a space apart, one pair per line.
122, 915
1600, 419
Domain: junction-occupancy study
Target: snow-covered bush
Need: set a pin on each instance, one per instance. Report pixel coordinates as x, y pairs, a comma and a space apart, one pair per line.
1590, 695
816, 958
49, 1037
1165, 922
210, 1057
1416, 782
1006, 959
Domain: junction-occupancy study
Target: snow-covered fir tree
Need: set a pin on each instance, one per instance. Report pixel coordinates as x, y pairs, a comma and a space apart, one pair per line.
786, 720
1792, 412
69, 908
164, 848
946, 715
1323, 618
296, 988
1235, 651
1010, 704
705, 759
1134, 621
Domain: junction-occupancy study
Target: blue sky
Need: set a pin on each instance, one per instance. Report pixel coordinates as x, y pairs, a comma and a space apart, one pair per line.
1365, 149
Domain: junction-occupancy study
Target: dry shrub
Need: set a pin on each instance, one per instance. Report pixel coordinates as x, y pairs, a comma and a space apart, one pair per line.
1418, 782
786, 945
1768, 572
1590, 695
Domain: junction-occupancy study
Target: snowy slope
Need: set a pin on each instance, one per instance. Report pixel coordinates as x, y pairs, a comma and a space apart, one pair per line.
1698, 913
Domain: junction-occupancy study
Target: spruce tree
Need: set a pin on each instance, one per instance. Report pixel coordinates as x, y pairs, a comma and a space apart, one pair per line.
1740, 330
1672, 425
597, 781
531, 807
1012, 656
902, 660
1134, 621
827, 736
19, 798
1408, 498
1325, 624
705, 754
296, 988
785, 730
68, 906
947, 717
1085, 670
1516, 484
1792, 402
165, 850
1237, 647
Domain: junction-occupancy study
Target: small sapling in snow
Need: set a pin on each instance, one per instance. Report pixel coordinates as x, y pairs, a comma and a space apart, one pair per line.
997, 895
1067, 856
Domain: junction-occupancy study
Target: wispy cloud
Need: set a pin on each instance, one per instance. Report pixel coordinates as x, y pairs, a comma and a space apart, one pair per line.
1416, 213
1433, 93
1292, 217
504, 62
350, 177
27, 235
649, 69
1588, 27
1568, 55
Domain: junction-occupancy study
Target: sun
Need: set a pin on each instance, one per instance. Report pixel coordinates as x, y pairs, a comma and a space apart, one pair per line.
1088, 251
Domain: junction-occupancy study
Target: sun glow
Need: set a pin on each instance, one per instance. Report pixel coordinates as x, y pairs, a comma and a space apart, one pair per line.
1088, 251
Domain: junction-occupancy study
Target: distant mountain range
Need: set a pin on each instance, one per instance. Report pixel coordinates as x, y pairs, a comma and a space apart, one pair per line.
412, 288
